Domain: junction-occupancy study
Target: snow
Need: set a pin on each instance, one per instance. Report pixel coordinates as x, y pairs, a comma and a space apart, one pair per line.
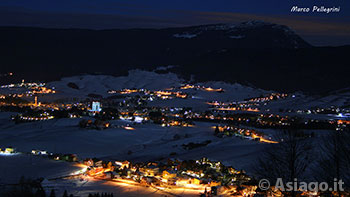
303, 102
100, 84
147, 141
185, 35
237, 37
14, 166
232, 92
199, 97
89, 185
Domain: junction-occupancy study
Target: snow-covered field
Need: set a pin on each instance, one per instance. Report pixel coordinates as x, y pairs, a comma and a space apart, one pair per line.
13, 167
146, 142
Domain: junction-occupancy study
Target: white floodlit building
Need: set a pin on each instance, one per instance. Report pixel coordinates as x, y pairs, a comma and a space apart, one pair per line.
96, 106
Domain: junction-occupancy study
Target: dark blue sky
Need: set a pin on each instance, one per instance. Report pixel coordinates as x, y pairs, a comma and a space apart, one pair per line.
319, 29
114, 6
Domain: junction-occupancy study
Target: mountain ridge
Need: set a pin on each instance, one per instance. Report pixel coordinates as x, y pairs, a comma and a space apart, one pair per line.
274, 55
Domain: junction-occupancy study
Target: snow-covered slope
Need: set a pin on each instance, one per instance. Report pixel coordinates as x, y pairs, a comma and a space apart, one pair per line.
31, 167
304, 102
100, 84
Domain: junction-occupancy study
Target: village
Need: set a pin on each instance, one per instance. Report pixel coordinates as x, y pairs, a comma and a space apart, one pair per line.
221, 131
132, 105
206, 177
202, 177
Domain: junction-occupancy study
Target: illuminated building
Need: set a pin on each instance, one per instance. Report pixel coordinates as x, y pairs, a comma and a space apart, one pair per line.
39, 152
96, 107
8, 150
35, 101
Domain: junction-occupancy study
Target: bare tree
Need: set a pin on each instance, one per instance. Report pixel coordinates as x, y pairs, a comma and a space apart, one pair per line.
334, 158
288, 159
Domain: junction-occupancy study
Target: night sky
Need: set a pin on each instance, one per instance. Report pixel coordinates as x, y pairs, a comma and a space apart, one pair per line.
316, 28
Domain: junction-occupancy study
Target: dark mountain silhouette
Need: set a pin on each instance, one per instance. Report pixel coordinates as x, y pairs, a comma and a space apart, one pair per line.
262, 54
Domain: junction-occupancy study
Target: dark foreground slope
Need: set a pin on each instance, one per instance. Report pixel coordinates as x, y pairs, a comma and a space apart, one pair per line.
262, 54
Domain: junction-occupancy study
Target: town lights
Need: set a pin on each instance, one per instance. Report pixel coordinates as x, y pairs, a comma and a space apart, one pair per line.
129, 128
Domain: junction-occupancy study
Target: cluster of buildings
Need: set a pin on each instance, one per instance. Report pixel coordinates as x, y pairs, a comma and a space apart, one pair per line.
96, 124
267, 98
243, 118
39, 152
40, 90
231, 108
135, 107
152, 95
37, 111
203, 175
170, 93
7, 151
249, 105
34, 117
55, 156
172, 116
197, 87
23, 84
251, 134
273, 120
31, 88
179, 123
207, 177
165, 116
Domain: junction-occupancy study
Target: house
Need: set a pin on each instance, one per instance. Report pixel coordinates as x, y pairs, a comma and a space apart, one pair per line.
172, 181
98, 163
96, 171
109, 175
168, 174
152, 181
213, 183
186, 180
147, 180
122, 165
70, 157
89, 162
55, 157
10, 150
39, 152
150, 170
195, 181
99, 124
110, 166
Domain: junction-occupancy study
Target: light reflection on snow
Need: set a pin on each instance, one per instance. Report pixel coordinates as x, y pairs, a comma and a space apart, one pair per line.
9, 154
